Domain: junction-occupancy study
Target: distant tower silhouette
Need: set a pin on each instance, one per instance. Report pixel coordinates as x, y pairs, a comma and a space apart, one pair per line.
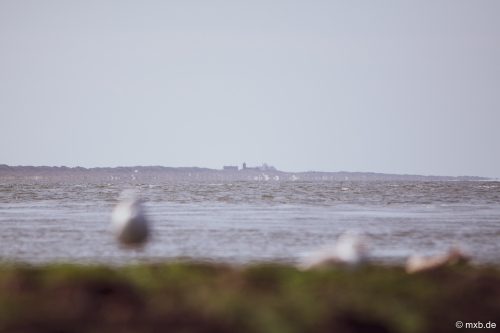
244, 165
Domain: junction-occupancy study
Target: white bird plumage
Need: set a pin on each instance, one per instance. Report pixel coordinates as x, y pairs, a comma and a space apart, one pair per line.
455, 256
128, 221
351, 249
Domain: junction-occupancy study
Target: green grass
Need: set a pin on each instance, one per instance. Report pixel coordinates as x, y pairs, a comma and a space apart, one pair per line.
194, 297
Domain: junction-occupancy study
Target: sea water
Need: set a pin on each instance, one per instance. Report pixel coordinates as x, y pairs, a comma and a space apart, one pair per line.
242, 222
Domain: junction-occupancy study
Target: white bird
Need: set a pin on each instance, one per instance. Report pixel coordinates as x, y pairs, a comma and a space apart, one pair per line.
128, 221
454, 256
351, 250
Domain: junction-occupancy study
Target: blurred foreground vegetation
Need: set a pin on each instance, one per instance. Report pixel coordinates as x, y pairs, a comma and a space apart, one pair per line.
191, 297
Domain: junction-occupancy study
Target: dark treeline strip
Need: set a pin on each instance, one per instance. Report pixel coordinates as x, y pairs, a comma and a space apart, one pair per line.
200, 174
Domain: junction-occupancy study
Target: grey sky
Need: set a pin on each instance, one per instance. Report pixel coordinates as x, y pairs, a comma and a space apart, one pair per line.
382, 86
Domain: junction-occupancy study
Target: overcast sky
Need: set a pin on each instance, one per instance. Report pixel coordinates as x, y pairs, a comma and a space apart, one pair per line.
374, 86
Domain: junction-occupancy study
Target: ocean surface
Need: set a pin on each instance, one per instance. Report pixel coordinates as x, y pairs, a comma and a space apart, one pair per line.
243, 222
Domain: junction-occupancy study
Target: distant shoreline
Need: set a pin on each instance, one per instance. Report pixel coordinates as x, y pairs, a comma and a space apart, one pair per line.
202, 174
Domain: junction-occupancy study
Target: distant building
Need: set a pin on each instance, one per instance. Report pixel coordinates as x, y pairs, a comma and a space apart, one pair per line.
230, 167
266, 167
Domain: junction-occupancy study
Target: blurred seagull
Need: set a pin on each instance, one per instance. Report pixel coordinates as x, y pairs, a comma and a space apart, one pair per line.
128, 222
454, 256
351, 249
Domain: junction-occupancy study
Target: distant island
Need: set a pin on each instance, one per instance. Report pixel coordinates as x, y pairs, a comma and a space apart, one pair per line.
227, 173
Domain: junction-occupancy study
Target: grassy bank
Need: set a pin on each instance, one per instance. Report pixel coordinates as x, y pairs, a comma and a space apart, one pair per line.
187, 297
